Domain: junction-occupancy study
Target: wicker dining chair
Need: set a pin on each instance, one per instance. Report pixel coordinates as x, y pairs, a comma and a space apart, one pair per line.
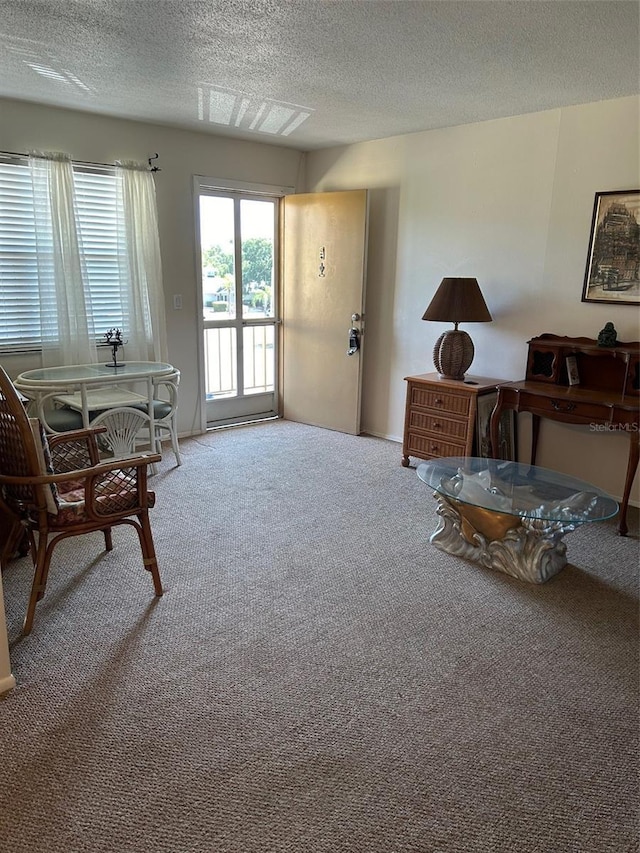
122, 427
165, 411
56, 487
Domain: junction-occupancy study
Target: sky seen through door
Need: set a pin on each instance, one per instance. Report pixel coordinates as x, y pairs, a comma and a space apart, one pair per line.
256, 231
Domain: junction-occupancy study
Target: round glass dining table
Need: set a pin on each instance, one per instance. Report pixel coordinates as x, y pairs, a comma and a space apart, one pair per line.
90, 388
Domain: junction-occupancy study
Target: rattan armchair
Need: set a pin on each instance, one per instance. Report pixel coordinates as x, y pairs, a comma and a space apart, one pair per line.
54, 488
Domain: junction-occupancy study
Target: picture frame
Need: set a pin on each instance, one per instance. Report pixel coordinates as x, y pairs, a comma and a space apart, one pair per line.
506, 429
612, 276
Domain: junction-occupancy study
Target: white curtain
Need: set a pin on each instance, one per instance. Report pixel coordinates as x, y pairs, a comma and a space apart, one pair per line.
140, 264
67, 332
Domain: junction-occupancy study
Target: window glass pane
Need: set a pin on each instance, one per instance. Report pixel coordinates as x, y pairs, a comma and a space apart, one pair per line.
217, 248
257, 221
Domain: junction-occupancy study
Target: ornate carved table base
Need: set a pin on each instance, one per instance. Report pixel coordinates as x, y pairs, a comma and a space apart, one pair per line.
525, 548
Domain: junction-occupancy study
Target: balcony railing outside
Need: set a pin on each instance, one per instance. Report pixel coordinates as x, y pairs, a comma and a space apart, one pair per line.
259, 359
221, 375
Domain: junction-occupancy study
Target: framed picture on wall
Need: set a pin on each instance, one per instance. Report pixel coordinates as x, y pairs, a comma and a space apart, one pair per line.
506, 430
613, 261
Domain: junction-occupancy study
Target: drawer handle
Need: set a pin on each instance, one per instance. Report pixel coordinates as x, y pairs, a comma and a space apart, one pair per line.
438, 401
437, 425
434, 448
559, 406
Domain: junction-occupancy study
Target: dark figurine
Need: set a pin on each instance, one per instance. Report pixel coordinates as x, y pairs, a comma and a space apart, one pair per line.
113, 338
608, 336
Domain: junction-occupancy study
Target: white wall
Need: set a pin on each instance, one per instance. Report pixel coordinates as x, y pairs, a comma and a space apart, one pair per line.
509, 202
183, 154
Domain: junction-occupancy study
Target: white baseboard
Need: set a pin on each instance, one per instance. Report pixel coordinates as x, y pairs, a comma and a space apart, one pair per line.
187, 434
396, 439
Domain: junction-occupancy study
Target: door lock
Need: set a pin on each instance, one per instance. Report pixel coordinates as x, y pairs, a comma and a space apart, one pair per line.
354, 335
354, 341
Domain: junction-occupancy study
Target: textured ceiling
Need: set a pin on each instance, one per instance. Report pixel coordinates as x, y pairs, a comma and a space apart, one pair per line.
315, 73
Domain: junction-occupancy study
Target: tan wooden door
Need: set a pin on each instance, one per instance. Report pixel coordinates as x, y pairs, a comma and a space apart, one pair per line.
324, 239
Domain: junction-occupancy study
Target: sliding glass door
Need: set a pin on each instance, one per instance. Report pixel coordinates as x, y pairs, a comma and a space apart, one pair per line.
238, 252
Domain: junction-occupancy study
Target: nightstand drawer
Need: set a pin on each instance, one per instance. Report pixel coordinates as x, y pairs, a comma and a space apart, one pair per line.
426, 447
455, 404
436, 425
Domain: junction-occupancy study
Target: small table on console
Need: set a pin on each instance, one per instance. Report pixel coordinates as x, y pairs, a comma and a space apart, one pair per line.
510, 516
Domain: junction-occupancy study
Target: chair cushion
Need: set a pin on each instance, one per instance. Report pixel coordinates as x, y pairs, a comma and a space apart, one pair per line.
118, 495
44, 460
63, 420
160, 408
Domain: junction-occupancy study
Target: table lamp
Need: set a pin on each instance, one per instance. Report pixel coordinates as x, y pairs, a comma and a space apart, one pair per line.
457, 300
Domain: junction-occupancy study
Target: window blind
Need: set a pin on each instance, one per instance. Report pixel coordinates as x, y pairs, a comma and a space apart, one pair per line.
19, 299
97, 223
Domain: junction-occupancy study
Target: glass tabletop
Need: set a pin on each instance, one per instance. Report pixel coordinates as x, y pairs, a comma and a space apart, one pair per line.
88, 372
515, 488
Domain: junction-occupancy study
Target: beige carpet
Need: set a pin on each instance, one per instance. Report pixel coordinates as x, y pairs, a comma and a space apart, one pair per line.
318, 678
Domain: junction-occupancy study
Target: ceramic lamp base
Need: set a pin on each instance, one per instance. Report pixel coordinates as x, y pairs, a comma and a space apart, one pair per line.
453, 354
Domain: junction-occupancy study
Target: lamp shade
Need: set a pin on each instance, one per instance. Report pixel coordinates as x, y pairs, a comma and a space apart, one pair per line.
458, 300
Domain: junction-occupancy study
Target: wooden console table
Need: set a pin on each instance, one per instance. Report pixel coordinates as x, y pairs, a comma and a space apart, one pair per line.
608, 393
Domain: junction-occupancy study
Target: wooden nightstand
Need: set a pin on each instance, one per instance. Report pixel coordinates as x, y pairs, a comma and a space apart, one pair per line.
440, 417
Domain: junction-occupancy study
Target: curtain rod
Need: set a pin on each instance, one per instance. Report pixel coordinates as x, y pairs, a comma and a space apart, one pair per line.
84, 162
80, 162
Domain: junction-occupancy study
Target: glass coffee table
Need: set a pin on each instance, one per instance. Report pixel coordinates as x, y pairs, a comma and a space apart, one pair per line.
510, 516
